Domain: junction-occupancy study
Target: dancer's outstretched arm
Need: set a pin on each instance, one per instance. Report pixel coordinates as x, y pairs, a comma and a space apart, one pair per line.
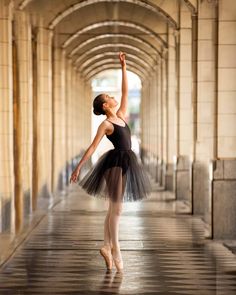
102, 129
122, 111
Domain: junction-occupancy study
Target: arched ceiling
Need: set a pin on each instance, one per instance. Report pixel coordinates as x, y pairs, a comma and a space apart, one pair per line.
132, 28
88, 29
111, 38
106, 61
109, 47
89, 63
57, 10
113, 66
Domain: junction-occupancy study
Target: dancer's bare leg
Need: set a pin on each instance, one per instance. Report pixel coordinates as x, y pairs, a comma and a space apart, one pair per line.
107, 236
116, 210
116, 189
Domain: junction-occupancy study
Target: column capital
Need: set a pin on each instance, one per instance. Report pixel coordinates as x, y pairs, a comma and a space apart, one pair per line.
165, 50
176, 32
6, 9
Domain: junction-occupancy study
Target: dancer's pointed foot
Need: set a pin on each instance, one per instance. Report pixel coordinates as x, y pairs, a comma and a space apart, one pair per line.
117, 260
105, 251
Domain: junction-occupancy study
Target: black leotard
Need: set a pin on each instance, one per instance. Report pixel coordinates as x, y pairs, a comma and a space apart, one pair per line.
121, 136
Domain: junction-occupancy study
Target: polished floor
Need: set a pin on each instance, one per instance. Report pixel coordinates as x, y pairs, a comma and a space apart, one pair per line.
163, 247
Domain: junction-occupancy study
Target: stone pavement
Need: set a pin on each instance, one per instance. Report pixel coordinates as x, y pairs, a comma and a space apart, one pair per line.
163, 248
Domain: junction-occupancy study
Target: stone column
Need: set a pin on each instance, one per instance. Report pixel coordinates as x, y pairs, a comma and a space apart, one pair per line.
226, 144
81, 99
80, 111
144, 126
147, 125
185, 116
224, 168
23, 112
78, 118
44, 109
147, 129
152, 124
73, 114
142, 123
171, 110
205, 112
89, 111
7, 216
58, 115
155, 123
68, 119
160, 122
164, 104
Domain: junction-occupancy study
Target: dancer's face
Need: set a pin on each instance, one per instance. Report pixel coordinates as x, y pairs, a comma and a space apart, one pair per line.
110, 101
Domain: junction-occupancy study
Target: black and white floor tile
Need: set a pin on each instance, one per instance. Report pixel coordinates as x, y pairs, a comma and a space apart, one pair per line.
163, 248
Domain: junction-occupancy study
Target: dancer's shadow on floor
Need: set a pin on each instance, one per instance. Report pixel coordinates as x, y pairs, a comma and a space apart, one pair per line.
111, 283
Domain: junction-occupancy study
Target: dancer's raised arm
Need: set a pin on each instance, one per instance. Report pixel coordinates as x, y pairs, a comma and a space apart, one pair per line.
122, 111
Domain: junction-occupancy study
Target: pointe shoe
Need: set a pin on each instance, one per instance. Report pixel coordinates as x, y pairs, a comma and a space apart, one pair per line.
118, 262
107, 256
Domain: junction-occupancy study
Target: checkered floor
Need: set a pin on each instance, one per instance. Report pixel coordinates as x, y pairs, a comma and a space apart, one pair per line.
163, 248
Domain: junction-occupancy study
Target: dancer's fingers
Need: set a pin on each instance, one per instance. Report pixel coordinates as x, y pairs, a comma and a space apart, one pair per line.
73, 178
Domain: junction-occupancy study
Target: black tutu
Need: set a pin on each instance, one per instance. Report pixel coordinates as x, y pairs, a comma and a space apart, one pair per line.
117, 175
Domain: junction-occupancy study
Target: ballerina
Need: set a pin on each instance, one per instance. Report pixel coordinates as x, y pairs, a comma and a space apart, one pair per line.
117, 174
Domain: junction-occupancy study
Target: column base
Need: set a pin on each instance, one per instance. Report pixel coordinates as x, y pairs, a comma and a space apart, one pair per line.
201, 189
183, 180
224, 199
169, 178
6, 212
27, 203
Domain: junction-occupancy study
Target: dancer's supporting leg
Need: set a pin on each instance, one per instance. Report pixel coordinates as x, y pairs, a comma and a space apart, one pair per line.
116, 210
115, 185
107, 236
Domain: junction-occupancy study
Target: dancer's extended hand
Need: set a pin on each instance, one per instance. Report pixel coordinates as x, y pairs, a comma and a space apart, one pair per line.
74, 175
122, 58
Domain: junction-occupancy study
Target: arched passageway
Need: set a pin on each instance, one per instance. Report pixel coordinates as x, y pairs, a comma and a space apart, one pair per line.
184, 53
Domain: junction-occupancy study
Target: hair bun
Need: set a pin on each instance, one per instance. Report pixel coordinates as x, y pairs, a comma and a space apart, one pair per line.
96, 112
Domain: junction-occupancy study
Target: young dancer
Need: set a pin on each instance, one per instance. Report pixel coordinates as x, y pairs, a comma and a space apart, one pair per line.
117, 175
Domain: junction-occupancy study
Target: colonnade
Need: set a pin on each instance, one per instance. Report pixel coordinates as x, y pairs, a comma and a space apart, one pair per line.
44, 122
189, 115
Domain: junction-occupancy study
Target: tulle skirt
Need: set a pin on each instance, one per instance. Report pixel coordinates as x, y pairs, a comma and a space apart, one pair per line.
117, 175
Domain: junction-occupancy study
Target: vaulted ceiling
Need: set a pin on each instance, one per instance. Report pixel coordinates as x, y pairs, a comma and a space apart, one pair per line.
92, 32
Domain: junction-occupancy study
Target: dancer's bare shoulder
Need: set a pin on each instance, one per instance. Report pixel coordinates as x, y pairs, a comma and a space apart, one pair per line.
108, 127
103, 128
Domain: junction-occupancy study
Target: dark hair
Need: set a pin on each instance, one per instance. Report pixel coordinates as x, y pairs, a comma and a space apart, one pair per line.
97, 105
